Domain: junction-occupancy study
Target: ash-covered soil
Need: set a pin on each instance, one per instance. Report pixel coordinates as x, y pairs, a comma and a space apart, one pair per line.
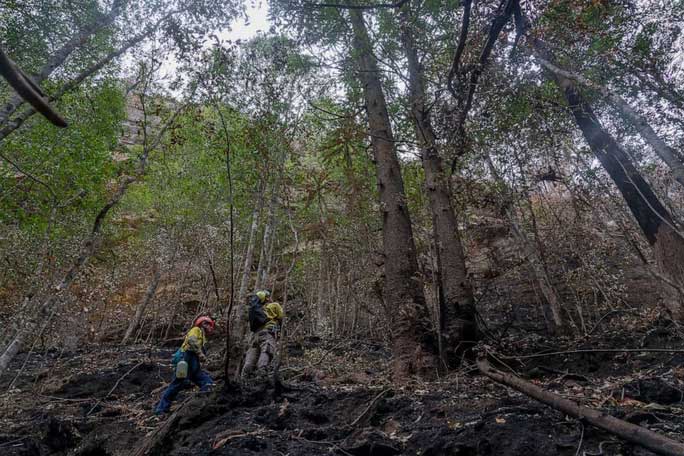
337, 400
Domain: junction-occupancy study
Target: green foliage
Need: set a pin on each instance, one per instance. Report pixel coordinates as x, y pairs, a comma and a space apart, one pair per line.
186, 186
295, 126
70, 167
33, 29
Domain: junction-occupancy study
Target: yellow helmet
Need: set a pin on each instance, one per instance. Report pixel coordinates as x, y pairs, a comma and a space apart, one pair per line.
263, 294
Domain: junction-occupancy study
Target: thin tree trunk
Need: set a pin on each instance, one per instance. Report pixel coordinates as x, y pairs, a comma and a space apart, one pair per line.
142, 305
60, 56
355, 309
552, 303
269, 279
288, 270
466, 93
556, 324
457, 323
413, 344
241, 320
10, 125
266, 240
341, 317
249, 253
321, 314
656, 223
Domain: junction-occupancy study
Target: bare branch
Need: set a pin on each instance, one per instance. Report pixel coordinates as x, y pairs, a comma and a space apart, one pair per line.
463, 36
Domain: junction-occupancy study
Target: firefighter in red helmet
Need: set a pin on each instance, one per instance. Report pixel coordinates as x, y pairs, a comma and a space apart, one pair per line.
192, 352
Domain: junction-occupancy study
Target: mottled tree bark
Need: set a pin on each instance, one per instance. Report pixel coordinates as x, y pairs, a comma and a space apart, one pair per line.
458, 328
413, 343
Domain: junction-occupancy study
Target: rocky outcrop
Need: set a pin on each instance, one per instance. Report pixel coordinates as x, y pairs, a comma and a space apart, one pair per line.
508, 295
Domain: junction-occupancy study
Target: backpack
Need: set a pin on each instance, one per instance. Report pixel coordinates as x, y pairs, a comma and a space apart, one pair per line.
257, 315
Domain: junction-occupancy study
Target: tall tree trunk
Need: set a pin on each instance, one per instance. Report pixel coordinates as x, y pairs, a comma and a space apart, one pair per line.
143, 304
321, 311
656, 223
457, 323
413, 343
241, 323
671, 157
267, 278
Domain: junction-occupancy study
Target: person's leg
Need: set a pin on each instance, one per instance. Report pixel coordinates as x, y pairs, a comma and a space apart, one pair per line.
193, 364
203, 380
197, 375
169, 395
267, 347
251, 356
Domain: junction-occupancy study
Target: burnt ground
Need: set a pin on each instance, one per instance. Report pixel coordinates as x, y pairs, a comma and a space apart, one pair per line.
338, 401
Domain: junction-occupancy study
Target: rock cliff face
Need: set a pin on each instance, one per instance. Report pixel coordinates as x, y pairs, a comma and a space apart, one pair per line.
508, 294
132, 126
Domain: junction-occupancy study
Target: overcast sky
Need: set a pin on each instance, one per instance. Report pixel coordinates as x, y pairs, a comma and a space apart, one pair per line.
241, 29
257, 12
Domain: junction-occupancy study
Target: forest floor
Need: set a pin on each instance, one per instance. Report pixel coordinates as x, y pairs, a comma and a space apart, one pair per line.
338, 400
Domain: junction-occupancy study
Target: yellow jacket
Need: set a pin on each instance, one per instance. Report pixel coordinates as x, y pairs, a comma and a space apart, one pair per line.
194, 340
274, 313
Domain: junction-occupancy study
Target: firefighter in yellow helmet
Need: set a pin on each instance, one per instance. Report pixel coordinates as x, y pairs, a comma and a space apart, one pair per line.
265, 318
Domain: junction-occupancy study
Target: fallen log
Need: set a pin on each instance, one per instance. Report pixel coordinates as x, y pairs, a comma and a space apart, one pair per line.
657, 443
596, 350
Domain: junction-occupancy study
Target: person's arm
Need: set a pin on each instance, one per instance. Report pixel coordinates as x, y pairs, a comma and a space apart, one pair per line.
275, 312
280, 314
194, 340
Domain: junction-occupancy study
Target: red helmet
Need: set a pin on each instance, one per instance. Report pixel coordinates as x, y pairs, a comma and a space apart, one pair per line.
204, 319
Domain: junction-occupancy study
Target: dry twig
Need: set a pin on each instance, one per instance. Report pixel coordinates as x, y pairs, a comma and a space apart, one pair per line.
114, 387
367, 409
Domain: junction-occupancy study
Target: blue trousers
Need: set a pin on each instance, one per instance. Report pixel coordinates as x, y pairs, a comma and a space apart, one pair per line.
195, 375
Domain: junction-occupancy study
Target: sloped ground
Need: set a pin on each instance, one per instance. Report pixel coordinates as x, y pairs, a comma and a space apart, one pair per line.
338, 401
